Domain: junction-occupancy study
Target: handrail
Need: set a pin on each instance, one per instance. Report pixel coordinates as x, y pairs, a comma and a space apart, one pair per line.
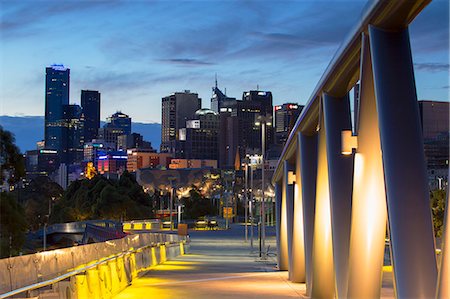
343, 70
78, 271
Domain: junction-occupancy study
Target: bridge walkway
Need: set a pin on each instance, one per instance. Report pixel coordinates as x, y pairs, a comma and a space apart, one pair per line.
219, 265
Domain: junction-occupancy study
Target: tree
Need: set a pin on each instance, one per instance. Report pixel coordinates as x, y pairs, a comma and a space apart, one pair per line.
196, 205
38, 198
13, 225
101, 198
11, 160
437, 201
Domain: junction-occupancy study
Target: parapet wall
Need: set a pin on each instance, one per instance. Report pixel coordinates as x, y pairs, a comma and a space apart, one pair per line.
124, 259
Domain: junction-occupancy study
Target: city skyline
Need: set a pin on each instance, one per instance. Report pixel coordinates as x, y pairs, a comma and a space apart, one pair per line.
136, 53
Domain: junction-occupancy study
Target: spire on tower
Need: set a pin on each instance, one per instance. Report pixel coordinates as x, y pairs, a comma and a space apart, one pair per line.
216, 80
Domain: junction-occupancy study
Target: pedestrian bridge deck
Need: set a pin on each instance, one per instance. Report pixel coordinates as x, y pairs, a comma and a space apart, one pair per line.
220, 264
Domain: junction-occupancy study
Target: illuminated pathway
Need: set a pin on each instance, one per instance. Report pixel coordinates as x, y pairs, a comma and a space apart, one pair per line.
219, 265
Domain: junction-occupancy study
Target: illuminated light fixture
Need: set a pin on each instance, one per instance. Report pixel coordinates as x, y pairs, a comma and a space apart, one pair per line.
269, 123
291, 177
257, 123
349, 142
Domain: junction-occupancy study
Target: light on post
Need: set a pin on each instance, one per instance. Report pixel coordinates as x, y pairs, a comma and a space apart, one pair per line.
291, 178
349, 142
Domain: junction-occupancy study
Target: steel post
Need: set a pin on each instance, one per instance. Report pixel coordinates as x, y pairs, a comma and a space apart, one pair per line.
278, 200
410, 223
307, 177
297, 259
369, 214
289, 199
323, 285
336, 112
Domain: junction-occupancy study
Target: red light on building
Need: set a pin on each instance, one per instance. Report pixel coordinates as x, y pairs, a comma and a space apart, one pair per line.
277, 108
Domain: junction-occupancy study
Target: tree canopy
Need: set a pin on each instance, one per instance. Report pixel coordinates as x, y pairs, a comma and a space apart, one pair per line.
102, 198
437, 201
13, 225
11, 159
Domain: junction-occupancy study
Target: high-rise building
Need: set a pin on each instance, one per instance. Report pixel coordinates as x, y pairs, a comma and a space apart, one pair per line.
116, 125
201, 136
228, 136
176, 110
134, 140
73, 134
121, 121
434, 118
285, 117
264, 98
239, 133
218, 98
57, 81
90, 102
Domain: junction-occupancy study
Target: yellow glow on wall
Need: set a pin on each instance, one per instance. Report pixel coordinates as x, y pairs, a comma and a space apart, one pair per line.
181, 248
162, 254
153, 256
323, 267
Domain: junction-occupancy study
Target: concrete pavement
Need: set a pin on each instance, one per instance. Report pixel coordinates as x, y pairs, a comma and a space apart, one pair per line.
221, 265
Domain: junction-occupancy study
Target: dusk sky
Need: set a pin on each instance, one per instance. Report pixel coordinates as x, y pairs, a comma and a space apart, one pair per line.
136, 52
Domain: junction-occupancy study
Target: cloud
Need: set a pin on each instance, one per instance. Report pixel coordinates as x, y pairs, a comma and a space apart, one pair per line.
432, 67
186, 61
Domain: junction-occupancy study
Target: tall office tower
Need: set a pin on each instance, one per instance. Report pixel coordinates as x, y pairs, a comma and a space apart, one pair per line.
176, 110
116, 125
285, 117
228, 135
90, 102
73, 135
218, 98
434, 117
201, 135
57, 81
121, 121
264, 99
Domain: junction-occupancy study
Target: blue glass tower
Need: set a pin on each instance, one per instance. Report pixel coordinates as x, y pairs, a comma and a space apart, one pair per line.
57, 80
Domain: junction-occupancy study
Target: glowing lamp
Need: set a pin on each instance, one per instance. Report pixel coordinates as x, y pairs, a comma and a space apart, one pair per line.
349, 142
291, 177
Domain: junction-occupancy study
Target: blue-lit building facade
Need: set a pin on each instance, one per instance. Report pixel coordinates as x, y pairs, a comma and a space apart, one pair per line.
57, 81
114, 162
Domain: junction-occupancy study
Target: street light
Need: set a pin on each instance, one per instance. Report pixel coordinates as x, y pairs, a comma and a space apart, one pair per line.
263, 121
246, 196
171, 180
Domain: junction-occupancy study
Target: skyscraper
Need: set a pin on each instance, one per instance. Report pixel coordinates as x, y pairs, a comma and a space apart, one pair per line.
201, 135
218, 98
285, 117
57, 81
116, 125
176, 110
121, 121
90, 102
73, 134
238, 129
